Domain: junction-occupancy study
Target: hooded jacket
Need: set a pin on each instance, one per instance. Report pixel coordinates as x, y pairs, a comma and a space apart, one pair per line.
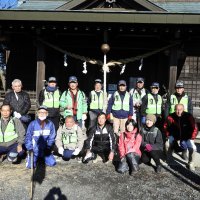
153, 136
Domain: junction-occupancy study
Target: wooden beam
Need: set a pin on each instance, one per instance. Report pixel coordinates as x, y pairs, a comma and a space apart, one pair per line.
101, 16
7, 55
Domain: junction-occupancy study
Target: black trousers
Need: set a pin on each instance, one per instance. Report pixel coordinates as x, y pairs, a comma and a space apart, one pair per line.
102, 152
154, 154
55, 121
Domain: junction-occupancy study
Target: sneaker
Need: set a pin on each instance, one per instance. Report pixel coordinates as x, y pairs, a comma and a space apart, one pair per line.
191, 166
58, 158
158, 169
79, 159
109, 162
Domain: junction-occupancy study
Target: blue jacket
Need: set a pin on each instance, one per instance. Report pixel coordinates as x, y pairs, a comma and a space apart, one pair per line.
121, 114
38, 138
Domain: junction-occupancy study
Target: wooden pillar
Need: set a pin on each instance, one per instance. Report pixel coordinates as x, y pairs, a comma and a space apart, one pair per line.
173, 69
172, 78
40, 74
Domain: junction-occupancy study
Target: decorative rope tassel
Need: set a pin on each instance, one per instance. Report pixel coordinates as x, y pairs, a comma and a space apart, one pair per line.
65, 60
84, 68
123, 69
141, 64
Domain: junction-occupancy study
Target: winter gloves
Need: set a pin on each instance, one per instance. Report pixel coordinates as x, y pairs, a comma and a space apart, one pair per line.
60, 150
17, 115
148, 147
76, 152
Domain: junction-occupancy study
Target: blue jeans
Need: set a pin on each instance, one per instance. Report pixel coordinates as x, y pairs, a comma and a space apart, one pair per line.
11, 149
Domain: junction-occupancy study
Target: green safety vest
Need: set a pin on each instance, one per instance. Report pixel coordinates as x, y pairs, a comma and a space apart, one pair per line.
118, 104
66, 100
51, 99
174, 101
152, 106
69, 137
10, 133
96, 101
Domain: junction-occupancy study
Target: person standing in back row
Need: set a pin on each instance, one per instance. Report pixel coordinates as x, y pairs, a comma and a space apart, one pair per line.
121, 106
95, 102
19, 101
50, 97
179, 97
74, 102
152, 104
137, 94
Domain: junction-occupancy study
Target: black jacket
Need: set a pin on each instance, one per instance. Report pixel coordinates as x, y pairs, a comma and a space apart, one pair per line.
22, 105
152, 136
101, 139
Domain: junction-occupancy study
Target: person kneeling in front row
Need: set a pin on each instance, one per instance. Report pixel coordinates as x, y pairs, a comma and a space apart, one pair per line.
129, 148
40, 138
69, 139
101, 141
152, 142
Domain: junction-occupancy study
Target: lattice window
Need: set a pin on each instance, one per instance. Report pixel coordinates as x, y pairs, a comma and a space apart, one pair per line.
190, 74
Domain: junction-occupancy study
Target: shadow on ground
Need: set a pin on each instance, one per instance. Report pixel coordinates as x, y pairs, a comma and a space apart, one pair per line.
55, 194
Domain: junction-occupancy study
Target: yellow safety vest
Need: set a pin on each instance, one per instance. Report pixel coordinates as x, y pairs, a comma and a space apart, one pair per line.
118, 104
51, 99
96, 101
174, 101
152, 106
70, 137
10, 133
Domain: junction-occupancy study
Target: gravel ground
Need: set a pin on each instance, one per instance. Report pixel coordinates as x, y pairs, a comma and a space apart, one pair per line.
97, 181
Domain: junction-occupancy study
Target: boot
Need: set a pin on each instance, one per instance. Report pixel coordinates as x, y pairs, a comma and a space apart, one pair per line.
135, 168
2, 157
191, 160
184, 155
133, 161
169, 152
158, 169
123, 166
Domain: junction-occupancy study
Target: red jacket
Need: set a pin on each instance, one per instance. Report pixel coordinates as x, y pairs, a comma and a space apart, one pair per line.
181, 128
128, 143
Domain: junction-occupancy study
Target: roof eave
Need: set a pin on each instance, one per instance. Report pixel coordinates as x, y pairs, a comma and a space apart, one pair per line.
101, 16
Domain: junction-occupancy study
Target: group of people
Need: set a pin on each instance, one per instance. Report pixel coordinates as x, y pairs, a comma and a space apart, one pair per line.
136, 127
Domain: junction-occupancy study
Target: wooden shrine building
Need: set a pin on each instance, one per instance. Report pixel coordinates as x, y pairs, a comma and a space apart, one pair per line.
158, 40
